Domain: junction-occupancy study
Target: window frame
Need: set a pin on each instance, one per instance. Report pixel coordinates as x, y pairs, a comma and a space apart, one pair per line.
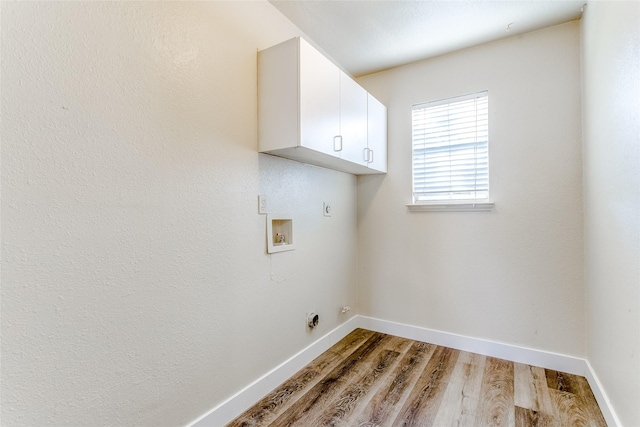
450, 204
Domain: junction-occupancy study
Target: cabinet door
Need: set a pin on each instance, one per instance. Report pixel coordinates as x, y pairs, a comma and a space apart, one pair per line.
377, 134
319, 81
278, 95
353, 120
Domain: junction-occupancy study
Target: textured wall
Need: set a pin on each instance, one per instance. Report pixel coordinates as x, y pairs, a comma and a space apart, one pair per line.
514, 275
611, 117
135, 285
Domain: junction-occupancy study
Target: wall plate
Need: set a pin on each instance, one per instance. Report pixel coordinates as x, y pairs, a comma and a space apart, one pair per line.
262, 204
327, 209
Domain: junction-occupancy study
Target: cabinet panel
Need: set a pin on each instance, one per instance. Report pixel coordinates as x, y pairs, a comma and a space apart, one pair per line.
319, 100
353, 120
377, 134
305, 102
278, 96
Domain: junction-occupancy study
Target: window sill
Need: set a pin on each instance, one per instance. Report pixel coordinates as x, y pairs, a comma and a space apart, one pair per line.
451, 207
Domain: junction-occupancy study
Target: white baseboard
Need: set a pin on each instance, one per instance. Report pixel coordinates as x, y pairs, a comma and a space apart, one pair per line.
609, 414
245, 398
226, 411
544, 359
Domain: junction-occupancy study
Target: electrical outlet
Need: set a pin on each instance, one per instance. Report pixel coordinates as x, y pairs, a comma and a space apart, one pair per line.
262, 204
327, 209
313, 320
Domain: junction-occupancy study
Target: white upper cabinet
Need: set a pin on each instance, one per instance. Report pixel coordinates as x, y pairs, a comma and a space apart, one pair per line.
353, 120
311, 111
376, 134
319, 100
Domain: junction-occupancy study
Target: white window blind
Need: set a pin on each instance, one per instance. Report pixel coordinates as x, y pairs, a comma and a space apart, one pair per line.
451, 149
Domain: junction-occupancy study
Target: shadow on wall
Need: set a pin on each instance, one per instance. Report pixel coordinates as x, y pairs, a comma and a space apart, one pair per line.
369, 185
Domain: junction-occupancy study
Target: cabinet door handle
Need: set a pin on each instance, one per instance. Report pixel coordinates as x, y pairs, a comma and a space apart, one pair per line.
368, 155
337, 143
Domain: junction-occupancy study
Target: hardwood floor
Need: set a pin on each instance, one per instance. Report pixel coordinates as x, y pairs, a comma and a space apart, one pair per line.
371, 379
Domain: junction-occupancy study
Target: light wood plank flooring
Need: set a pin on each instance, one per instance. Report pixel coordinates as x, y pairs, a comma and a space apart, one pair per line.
372, 379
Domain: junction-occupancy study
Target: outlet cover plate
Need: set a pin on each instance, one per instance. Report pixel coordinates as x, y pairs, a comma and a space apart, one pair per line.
262, 204
327, 209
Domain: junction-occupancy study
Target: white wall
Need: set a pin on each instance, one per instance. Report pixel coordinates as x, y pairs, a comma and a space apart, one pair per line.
514, 275
611, 86
135, 285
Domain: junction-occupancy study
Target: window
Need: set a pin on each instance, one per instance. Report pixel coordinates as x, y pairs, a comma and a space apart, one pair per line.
451, 150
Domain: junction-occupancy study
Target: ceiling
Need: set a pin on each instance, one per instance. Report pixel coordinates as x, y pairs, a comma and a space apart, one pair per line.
369, 36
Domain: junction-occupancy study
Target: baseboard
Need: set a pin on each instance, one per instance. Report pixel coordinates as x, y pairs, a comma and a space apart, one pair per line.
245, 398
609, 414
226, 411
543, 359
